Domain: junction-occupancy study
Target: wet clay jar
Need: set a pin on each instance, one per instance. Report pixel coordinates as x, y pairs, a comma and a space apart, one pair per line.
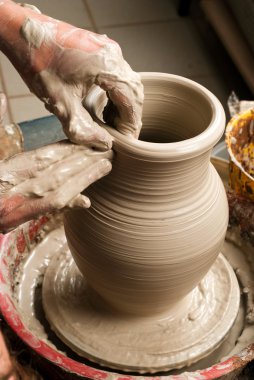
158, 220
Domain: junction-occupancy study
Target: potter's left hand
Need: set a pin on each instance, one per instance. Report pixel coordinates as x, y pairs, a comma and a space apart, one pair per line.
48, 179
60, 64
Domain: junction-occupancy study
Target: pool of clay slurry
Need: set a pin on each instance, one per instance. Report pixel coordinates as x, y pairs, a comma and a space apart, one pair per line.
28, 296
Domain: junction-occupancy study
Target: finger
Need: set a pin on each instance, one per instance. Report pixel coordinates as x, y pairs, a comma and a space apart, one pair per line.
61, 197
110, 113
81, 129
56, 175
27, 165
80, 201
26, 209
128, 118
112, 117
127, 97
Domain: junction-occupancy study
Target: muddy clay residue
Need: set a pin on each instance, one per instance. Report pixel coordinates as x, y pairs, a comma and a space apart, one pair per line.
144, 344
97, 61
54, 248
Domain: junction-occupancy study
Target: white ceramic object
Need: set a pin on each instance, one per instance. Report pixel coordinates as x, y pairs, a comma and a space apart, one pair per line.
158, 220
156, 226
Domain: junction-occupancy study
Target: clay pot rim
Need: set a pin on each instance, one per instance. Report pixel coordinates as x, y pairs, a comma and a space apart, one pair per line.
174, 151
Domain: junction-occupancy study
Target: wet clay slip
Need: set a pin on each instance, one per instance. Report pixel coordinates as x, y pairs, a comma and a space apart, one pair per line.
155, 228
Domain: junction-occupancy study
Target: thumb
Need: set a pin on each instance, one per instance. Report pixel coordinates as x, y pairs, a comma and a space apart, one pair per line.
80, 201
80, 128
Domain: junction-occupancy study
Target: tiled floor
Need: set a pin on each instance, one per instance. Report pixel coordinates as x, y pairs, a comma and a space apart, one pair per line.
152, 36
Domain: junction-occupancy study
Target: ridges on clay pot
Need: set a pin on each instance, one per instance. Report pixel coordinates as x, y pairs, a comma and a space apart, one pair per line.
158, 220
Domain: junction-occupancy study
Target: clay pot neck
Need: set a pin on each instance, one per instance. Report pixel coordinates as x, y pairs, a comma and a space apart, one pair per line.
181, 120
157, 179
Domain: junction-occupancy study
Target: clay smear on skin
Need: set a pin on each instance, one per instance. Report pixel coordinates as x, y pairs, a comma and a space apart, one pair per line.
104, 67
35, 32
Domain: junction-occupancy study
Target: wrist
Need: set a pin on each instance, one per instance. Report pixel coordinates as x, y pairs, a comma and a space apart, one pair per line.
12, 42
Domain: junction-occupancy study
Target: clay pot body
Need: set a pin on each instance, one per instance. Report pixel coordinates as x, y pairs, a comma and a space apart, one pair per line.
158, 220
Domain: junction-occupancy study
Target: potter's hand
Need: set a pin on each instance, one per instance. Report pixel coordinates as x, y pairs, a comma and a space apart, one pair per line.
60, 64
48, 179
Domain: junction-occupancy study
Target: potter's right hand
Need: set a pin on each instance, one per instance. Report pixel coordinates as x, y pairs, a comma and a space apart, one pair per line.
48, 179
60, 63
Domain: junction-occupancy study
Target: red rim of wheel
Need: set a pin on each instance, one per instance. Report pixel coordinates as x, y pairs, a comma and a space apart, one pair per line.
18, 241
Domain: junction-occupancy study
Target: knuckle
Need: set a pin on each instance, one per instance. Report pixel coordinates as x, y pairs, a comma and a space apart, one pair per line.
105, 166
114, 47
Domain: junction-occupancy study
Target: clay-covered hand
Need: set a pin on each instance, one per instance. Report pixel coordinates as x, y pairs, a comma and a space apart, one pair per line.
60, 64
48, 179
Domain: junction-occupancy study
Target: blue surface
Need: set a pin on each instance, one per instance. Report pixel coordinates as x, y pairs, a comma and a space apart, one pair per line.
42, 131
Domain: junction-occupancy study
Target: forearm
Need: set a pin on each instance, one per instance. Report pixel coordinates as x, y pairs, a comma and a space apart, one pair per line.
12, 17
14, 32
60, 63
31, 40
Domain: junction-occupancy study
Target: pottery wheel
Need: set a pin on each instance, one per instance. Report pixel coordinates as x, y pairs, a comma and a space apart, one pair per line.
139, 344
